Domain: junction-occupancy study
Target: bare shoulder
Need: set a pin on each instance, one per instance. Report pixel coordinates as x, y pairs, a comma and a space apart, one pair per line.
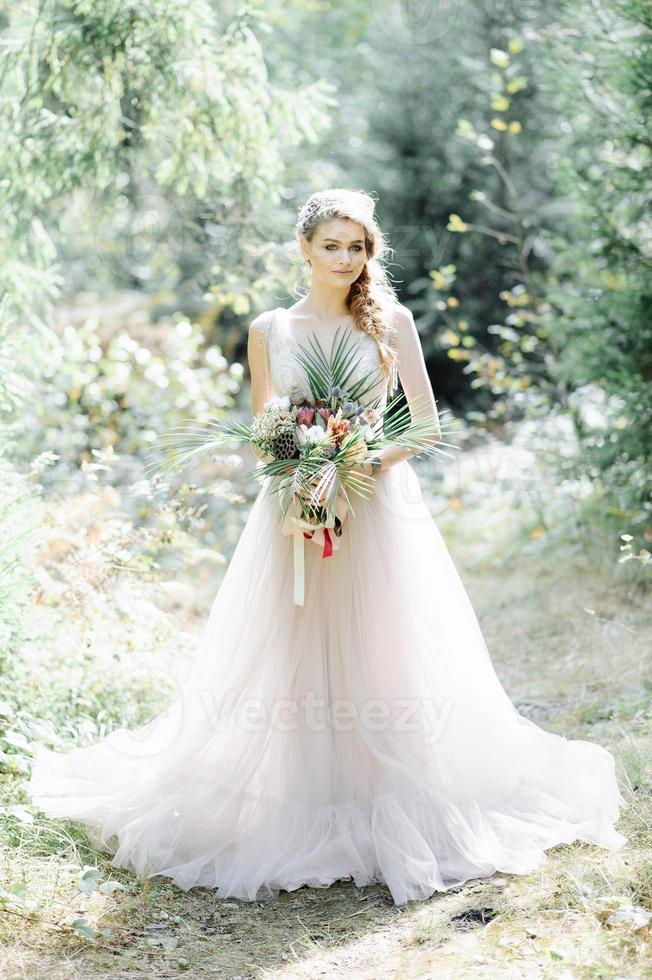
260, 322
402, 312
403, 320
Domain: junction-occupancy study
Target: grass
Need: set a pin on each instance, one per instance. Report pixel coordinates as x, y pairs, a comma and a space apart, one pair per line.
569, 635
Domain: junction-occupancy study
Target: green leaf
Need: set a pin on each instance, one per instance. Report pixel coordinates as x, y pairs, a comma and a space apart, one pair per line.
89, 880
82, 927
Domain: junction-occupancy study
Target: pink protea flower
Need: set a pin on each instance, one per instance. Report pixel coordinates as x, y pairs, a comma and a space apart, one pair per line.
325, 413
305, 416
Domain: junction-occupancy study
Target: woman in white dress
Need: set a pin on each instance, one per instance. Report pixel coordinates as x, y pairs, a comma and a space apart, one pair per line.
365, 733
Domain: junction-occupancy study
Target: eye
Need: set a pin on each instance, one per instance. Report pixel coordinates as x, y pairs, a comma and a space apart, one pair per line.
358, 248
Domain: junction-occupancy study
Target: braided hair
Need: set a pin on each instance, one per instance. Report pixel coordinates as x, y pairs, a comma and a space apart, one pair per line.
371, 298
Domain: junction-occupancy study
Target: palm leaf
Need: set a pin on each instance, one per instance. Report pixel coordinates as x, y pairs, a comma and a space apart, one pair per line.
344, 364
180, 444
317, 368
399, 428
325, 372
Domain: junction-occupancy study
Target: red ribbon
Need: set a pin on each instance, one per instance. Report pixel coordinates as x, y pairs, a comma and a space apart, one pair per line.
327, 550
328, 544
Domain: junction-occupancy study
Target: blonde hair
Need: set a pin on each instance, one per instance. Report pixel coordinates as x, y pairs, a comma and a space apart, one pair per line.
372, 299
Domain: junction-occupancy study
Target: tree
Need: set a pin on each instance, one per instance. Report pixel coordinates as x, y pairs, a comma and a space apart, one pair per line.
600, 288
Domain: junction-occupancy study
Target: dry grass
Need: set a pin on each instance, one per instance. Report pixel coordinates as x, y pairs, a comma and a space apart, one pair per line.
570, 638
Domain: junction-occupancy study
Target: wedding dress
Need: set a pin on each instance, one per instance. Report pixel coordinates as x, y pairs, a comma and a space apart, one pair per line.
363, 734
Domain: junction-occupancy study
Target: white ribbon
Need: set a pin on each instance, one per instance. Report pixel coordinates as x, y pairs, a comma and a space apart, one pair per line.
295, 525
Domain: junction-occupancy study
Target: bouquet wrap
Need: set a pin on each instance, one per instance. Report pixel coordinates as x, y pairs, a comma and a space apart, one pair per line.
321, 534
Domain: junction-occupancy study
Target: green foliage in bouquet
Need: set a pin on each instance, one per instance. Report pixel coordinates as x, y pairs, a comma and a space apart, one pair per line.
316, 461
324, 373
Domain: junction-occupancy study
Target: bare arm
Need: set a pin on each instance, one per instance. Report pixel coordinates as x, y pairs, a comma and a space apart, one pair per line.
258, 364
258, 359
416, 385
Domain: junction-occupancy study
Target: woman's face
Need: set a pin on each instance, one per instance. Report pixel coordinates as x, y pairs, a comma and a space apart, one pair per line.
337, 251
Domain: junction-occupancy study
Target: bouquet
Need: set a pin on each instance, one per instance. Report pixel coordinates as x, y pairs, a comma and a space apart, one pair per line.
310, 451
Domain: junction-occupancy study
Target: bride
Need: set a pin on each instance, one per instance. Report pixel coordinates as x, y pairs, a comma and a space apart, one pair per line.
363, 732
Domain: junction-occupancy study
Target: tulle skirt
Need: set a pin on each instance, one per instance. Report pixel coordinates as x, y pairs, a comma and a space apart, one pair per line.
363, 734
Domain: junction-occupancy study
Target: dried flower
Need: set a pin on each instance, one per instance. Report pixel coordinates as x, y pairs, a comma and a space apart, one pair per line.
338, 427
312, 435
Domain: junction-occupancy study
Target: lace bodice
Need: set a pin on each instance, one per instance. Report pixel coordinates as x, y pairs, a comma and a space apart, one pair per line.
288, 376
